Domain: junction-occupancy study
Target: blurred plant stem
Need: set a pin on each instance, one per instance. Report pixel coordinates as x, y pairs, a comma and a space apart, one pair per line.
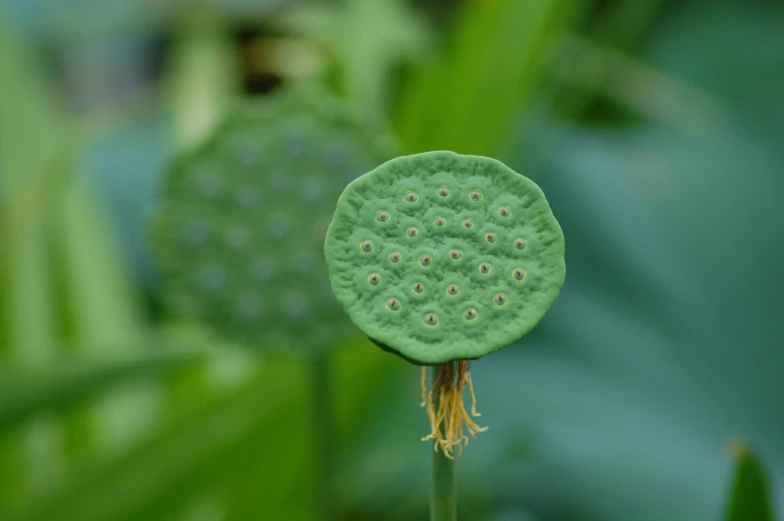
443, 501
323, 432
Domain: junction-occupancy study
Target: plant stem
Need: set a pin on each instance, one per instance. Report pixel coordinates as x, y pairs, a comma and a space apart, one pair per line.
443, 502
322, 391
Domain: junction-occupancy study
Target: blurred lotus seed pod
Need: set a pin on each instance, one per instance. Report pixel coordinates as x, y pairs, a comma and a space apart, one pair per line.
238, 235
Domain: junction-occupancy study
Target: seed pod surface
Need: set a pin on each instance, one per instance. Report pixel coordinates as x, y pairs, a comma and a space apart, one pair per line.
484, 265
239, 234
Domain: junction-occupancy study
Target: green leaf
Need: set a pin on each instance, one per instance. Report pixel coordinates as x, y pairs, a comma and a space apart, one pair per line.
369, 39
749, 496
468, 99
26, 391
193, 454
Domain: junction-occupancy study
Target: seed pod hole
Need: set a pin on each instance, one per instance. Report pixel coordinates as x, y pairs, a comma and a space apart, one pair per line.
412, 232
425, 260
263, 268
468, 224
491, 238
411, 197
394, 257
431, 319
452, 290
470, 314
455, 254
500, 299
439, 221
520, 243
475, 195
212, 278
237, 237
504, 211
518, 273
417, 287
209, 185
195, 233
313, 189
382, 216
444, 191
247, 196
374, 279
248, 307
485, 268
393, 304
366, 246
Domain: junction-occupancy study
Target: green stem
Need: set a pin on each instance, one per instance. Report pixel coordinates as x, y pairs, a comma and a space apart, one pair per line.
322, 390
443, 502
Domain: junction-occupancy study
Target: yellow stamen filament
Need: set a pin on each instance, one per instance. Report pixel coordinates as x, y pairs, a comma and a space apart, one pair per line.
446, 410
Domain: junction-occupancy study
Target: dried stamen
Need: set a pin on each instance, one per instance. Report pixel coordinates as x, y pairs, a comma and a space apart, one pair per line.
446, 410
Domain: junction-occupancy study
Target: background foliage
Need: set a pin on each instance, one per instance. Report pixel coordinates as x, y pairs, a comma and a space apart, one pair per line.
653, 127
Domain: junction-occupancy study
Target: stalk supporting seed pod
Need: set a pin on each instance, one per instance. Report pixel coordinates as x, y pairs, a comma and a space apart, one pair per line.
469, 257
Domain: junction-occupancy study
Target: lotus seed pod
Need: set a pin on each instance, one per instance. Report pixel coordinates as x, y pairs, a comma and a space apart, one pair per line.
471, 258
504, 247
240, 229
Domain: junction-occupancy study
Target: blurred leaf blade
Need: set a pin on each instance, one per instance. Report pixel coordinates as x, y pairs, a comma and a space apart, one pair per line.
468, 99
194, 453
26, 392
749, 496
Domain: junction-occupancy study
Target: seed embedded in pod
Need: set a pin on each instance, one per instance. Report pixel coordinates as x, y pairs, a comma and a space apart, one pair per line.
417, 287
500, 299
504, 211
248, 306
470, 314
382, 216
431, 319
213, 278
366, 246
468, 224
208, 184
263, 268
374, 279
452, 290
475, 195
313, 189
195, 233
518, 273
237, 237
279, 226
411, 197
412, 232
491, 238
295, 304
485, 268
455, 254
394, 257
439, 221
246, 196
520, 243
425, 260
393, 304
444, 191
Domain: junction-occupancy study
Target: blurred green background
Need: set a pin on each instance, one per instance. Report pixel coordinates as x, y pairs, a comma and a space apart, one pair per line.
654, 127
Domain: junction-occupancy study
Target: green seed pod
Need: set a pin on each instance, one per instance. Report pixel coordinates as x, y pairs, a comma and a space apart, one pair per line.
239, 233
480, 239
443, 258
